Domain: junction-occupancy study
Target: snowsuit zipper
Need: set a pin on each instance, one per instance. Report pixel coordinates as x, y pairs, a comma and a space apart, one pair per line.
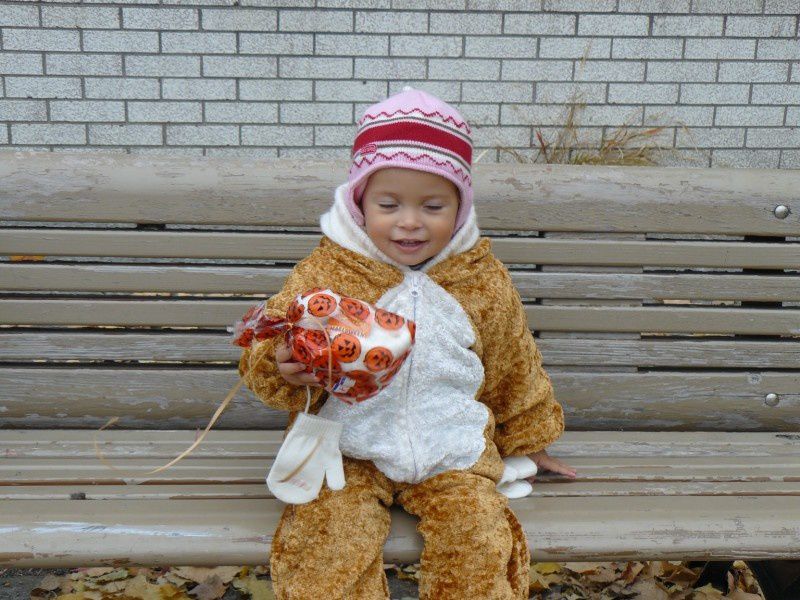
414, 295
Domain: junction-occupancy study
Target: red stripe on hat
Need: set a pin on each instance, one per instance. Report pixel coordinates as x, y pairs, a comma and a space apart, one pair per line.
414, 131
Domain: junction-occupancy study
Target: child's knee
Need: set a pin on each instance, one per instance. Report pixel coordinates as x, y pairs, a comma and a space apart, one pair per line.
328, 548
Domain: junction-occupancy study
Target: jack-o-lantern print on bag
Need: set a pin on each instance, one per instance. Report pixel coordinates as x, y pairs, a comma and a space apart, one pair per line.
352, 348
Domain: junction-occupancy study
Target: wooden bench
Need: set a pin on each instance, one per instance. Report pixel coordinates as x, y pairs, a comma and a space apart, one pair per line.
665, 302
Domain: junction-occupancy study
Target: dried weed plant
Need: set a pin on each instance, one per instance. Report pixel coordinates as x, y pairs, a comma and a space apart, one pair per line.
626, 145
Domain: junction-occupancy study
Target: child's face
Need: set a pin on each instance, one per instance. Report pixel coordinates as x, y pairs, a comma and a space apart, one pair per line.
407, 204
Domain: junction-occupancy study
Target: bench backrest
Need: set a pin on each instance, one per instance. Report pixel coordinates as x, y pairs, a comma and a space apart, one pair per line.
661, 298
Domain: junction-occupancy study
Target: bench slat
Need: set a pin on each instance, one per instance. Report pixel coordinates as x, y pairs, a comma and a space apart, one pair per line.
269, 280
89, 471
164, 444
100, 187
223, 313
287, 246
169, 398
541, 489
22, 346
55, 533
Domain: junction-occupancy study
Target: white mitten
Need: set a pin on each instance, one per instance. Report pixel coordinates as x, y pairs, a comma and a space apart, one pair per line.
309, 453
524, 466
516, 469
515, 489
509, 473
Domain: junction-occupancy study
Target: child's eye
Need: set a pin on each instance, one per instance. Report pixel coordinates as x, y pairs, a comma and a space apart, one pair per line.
389, 205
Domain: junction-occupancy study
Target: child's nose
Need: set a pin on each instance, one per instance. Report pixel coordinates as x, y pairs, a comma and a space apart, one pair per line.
409, 218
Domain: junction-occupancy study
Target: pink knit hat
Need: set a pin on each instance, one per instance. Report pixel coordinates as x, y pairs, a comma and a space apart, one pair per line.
414, 130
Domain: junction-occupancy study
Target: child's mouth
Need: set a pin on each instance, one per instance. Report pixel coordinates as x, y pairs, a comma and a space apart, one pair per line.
408, 246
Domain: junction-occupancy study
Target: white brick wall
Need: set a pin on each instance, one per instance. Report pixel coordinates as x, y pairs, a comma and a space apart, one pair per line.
289, 78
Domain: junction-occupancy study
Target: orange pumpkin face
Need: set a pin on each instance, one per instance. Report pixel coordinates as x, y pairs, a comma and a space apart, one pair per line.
346, 347
307, 343
317, 336
388, 320
321, 305
324, 359
378, 358
394, 368
322, 377
389, 374
363, 390
295, 311
354, 308
325, 378
359, 375
301, 352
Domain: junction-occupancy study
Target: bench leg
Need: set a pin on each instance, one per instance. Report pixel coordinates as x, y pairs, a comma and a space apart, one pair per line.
714, 572
779, 579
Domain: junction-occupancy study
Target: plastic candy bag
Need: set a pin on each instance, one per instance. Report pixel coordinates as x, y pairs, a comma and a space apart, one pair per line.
351, 345
353, 348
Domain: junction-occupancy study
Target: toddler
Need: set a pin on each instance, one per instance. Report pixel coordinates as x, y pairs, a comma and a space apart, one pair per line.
402, 235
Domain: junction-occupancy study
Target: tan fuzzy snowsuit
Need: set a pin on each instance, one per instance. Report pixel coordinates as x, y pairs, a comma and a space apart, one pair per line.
474, 546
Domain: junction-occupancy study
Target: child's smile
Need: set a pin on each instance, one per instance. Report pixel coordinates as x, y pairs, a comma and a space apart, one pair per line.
409, 214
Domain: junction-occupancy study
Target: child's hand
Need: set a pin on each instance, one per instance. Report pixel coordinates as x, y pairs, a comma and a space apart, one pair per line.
291, 370
545, 462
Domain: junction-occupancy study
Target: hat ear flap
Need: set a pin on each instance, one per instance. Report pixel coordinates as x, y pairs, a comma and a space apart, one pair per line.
358, 193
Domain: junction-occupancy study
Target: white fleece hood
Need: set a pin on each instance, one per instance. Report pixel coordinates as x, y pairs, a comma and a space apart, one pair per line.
338, 224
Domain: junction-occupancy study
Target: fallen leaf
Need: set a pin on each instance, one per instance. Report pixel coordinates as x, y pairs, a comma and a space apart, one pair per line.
97, 571
603, 574
649, 589
631, 571
545, 568
24, 257
92, 595
176, 579
68, 586
583, 567
211, 589
114, 575
200, 574
258, 589
141, 589
50, 582
112, 587
737, 593
707, 592
679, 573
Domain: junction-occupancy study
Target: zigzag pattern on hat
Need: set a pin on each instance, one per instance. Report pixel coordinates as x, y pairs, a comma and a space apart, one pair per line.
445, 118
413, 158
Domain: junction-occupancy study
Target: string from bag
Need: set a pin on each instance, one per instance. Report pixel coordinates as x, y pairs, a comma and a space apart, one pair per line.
304, 462
218, 413
330, 361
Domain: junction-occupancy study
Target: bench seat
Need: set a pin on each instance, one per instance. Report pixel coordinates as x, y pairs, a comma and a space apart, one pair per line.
638, 496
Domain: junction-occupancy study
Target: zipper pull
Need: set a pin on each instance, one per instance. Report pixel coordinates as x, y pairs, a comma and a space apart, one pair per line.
415, 281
